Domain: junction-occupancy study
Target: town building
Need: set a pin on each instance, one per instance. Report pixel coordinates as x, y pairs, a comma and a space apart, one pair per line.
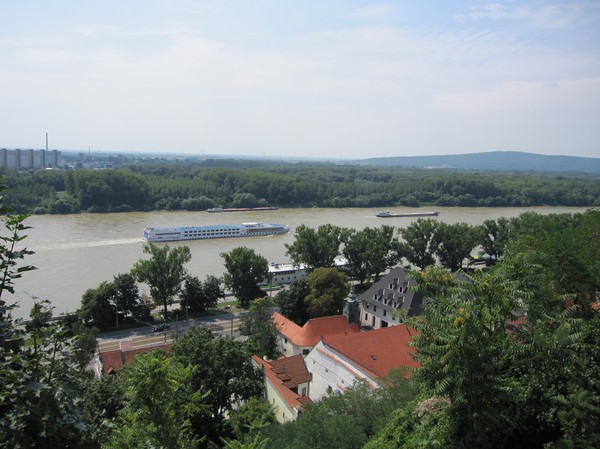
293, 339
384, 303
336, 363
286, 385
110, 362
30, 159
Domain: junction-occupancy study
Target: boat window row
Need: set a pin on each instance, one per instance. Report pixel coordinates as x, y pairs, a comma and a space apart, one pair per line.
211, 232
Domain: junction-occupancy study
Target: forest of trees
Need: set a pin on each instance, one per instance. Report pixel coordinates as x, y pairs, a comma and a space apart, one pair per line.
144, 187
509, 359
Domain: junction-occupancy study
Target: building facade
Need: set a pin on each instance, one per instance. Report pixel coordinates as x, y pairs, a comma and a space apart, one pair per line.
337, 363
384, 303
30, 159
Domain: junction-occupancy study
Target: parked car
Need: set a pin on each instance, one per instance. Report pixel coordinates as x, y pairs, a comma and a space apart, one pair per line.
161, 328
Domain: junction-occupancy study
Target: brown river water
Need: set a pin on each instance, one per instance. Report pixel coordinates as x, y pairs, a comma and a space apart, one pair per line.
76, 252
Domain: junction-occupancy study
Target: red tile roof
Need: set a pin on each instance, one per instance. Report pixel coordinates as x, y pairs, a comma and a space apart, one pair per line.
113, 361
291, 368
378, 350
285, 326
314, 329
285, 375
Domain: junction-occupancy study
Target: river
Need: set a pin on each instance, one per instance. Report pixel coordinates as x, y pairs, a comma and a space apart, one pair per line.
76, 252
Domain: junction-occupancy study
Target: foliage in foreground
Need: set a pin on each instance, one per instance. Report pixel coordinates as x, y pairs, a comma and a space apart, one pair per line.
509, 358
40, 375
342, 420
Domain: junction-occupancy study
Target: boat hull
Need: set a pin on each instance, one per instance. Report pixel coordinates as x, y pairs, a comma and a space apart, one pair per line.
386, 214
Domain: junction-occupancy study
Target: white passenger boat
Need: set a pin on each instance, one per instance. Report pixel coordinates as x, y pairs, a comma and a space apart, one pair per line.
213, 231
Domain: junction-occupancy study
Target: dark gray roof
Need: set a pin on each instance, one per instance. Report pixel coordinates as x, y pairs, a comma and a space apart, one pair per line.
394, 291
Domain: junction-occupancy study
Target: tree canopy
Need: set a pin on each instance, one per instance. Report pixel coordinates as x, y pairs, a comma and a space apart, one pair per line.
245, 271
420, 242
328, 288
198, 296
164, 272
221, 369
509, 356
159, 184
316, 248
370, 252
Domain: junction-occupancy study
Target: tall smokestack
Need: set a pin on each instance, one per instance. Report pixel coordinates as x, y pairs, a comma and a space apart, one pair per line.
46, 141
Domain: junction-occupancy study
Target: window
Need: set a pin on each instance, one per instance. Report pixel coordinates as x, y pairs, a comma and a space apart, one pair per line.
374, 309
305, 351
366, 316
303, 391
384, 312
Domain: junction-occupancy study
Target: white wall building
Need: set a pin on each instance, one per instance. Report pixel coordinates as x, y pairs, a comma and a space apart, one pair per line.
337, 363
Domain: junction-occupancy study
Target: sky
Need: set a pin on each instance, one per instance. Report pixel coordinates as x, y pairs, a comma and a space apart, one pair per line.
341, 79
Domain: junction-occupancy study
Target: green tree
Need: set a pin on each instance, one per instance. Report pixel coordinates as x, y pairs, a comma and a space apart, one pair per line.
259, 327
455, 243
164, 272
198, 296
245, 270
222, 368
41, 386
463, 344
39, 383
213, 291
11, 253
291, 301
328, 288
495, 235
248, 419
158, 404
316, 248
127, 296
83, 339
345, 420
96, 307
370, 252
102, 399
420, 425
420, 243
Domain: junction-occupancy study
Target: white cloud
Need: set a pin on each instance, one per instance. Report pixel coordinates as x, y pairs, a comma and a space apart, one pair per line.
361, 88
553, 15
566, 98
374, 12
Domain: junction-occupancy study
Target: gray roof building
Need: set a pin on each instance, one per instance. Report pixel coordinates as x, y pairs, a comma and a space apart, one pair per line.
392, 292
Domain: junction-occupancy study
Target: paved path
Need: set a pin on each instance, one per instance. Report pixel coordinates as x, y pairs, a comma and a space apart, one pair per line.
225, 324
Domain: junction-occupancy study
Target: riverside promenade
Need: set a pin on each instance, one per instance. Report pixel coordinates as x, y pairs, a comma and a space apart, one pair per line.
226, 324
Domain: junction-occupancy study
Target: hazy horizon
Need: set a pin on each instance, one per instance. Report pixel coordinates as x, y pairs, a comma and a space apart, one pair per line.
336, 79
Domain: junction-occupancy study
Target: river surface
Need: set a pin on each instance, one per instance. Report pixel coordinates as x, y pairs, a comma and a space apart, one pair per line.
76, 252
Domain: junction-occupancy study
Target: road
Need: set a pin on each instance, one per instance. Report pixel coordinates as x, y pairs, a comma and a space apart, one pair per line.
227, 324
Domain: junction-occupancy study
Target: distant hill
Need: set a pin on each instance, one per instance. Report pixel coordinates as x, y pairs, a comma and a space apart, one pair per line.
495, 160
